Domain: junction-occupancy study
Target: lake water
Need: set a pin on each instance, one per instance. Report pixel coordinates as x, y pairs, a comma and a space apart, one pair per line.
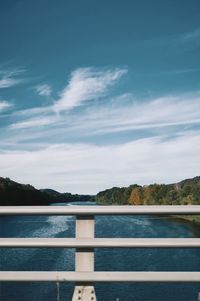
105, 259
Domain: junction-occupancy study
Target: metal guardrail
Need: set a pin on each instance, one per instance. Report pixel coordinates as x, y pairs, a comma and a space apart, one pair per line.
99, 210
85, 243
99, 243
101, 276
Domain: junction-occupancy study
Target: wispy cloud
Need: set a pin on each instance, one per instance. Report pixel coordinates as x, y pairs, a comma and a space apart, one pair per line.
86, 84
172, 72
135, 114
35, 122
88, 168
174, 43
9, 78
120, 114
193, 36
4, 105
43, 90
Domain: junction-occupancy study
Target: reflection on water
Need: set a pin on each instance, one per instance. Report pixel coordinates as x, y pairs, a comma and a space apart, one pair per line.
58, 291
105, 259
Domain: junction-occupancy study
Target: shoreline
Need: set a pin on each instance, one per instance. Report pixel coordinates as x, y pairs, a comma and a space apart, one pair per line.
193, 221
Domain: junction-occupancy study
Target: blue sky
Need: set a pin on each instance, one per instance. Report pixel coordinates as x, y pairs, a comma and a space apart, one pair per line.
95, 94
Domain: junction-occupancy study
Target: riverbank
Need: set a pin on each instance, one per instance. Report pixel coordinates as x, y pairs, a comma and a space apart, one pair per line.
194, 221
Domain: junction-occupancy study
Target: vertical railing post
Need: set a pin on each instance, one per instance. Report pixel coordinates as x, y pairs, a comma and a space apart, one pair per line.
84, 258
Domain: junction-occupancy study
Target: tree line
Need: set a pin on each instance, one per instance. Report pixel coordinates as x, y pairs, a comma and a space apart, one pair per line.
182, 193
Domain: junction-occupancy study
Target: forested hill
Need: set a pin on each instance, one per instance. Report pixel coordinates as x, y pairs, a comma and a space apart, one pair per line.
182, 193
13, 193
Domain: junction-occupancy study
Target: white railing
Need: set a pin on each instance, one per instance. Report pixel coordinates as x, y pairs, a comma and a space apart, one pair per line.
85, 242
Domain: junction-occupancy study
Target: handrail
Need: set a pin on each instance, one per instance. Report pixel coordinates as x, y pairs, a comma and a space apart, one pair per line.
85, 242
99, 243
100, 210
86, 277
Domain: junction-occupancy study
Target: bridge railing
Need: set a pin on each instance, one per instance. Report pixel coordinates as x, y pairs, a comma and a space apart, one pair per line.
85, 242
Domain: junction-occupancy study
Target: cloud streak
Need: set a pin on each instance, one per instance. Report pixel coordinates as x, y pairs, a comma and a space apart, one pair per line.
4, 105
167, 115
123, 113
86, 84
43, 90
10, 78
161, 112
193, 36
35, 122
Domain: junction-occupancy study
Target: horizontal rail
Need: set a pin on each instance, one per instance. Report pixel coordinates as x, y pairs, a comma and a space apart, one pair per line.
100, 276
99, 210
99, 242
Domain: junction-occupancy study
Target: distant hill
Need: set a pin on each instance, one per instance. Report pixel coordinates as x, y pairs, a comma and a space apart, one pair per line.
67, 196
13, 193
182, 193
